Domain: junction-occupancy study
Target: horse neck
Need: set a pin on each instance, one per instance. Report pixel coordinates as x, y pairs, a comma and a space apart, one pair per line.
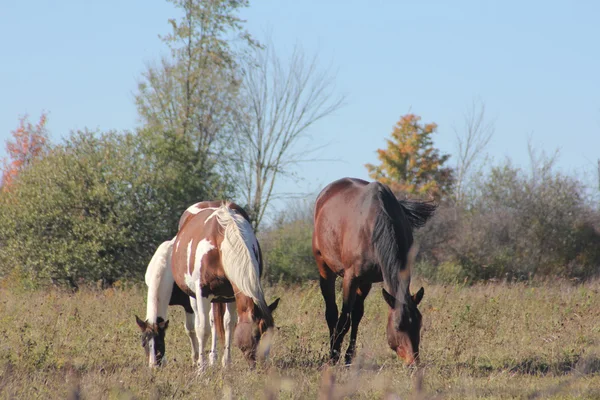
248, 311
245, 306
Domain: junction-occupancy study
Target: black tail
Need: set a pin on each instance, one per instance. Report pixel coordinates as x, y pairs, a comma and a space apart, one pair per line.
392, 234
418, 212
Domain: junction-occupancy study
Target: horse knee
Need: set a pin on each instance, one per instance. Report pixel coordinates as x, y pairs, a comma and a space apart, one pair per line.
331, 316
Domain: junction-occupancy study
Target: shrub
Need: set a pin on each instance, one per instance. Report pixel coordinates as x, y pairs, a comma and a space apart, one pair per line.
287, 247
95, 208
517, 226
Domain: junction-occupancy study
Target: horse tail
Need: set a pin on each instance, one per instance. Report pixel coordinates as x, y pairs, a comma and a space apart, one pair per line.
218, 313
392, 237
418, 212
240, 255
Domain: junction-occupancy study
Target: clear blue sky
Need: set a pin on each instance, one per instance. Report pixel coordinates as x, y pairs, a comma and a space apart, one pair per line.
535, 64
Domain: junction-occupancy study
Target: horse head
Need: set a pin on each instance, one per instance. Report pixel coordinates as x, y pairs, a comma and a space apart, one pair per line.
404, 324
153, 340
254, 331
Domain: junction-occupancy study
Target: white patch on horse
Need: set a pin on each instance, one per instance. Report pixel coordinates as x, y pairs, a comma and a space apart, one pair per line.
202, 248
195, 209
159, 280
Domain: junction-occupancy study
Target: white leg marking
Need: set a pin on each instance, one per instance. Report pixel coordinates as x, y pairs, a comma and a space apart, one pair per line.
229, 320
202, 310
213, 331
191, 332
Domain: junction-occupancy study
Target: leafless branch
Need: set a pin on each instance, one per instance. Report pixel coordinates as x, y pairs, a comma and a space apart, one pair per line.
471, 140
281, 101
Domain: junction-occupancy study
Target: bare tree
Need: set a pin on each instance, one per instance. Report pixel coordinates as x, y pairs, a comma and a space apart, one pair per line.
471, 140
281, 101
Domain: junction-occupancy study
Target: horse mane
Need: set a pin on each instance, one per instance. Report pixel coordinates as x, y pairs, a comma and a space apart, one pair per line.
241, 266
395, 219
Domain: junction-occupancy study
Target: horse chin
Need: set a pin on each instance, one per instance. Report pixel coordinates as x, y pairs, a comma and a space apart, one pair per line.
251, 362
409, 358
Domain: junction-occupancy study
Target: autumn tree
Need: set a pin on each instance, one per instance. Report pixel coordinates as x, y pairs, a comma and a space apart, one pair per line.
411, 164
28, 142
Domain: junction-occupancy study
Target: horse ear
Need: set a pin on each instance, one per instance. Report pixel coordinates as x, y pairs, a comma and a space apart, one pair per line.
274, 305
140, 323
417, 297
163, 324
391, 300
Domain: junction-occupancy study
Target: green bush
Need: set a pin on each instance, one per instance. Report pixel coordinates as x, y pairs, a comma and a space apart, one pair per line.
516, 226
287, 250
97, 207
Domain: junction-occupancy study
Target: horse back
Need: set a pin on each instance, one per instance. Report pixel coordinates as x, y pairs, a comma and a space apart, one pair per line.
345, 211
209, 204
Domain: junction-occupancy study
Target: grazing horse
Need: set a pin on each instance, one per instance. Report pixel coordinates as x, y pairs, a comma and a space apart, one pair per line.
216, 258
162, 292
364, 234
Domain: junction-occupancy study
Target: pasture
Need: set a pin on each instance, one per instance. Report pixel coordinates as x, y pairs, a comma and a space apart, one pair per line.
483, 341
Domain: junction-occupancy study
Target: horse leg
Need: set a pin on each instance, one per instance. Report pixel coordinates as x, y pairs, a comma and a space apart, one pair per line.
357, 314
229, 320
191, 332
213, 330
201, 306
331, 311
343, 323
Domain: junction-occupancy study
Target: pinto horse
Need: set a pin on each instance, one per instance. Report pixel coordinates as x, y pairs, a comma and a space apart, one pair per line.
217, 259
364, 234
163, 291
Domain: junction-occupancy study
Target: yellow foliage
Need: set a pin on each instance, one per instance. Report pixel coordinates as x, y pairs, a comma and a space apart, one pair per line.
411, 164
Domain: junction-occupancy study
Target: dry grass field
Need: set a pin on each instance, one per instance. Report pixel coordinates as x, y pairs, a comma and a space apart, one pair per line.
483, 341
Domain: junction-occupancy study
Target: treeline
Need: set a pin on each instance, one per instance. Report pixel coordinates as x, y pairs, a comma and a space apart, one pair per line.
494, 221
219, 118
220, 121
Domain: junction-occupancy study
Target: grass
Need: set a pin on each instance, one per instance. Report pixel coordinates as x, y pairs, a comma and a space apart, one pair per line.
485, 341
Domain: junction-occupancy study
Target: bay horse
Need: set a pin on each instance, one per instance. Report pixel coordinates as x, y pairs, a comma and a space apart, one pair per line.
216, 258
363, 234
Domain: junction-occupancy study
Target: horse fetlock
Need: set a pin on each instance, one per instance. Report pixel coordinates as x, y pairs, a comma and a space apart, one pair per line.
226, 361
213, 358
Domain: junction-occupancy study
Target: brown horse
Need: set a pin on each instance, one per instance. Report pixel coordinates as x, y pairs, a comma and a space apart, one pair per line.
364, 234
216, 258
